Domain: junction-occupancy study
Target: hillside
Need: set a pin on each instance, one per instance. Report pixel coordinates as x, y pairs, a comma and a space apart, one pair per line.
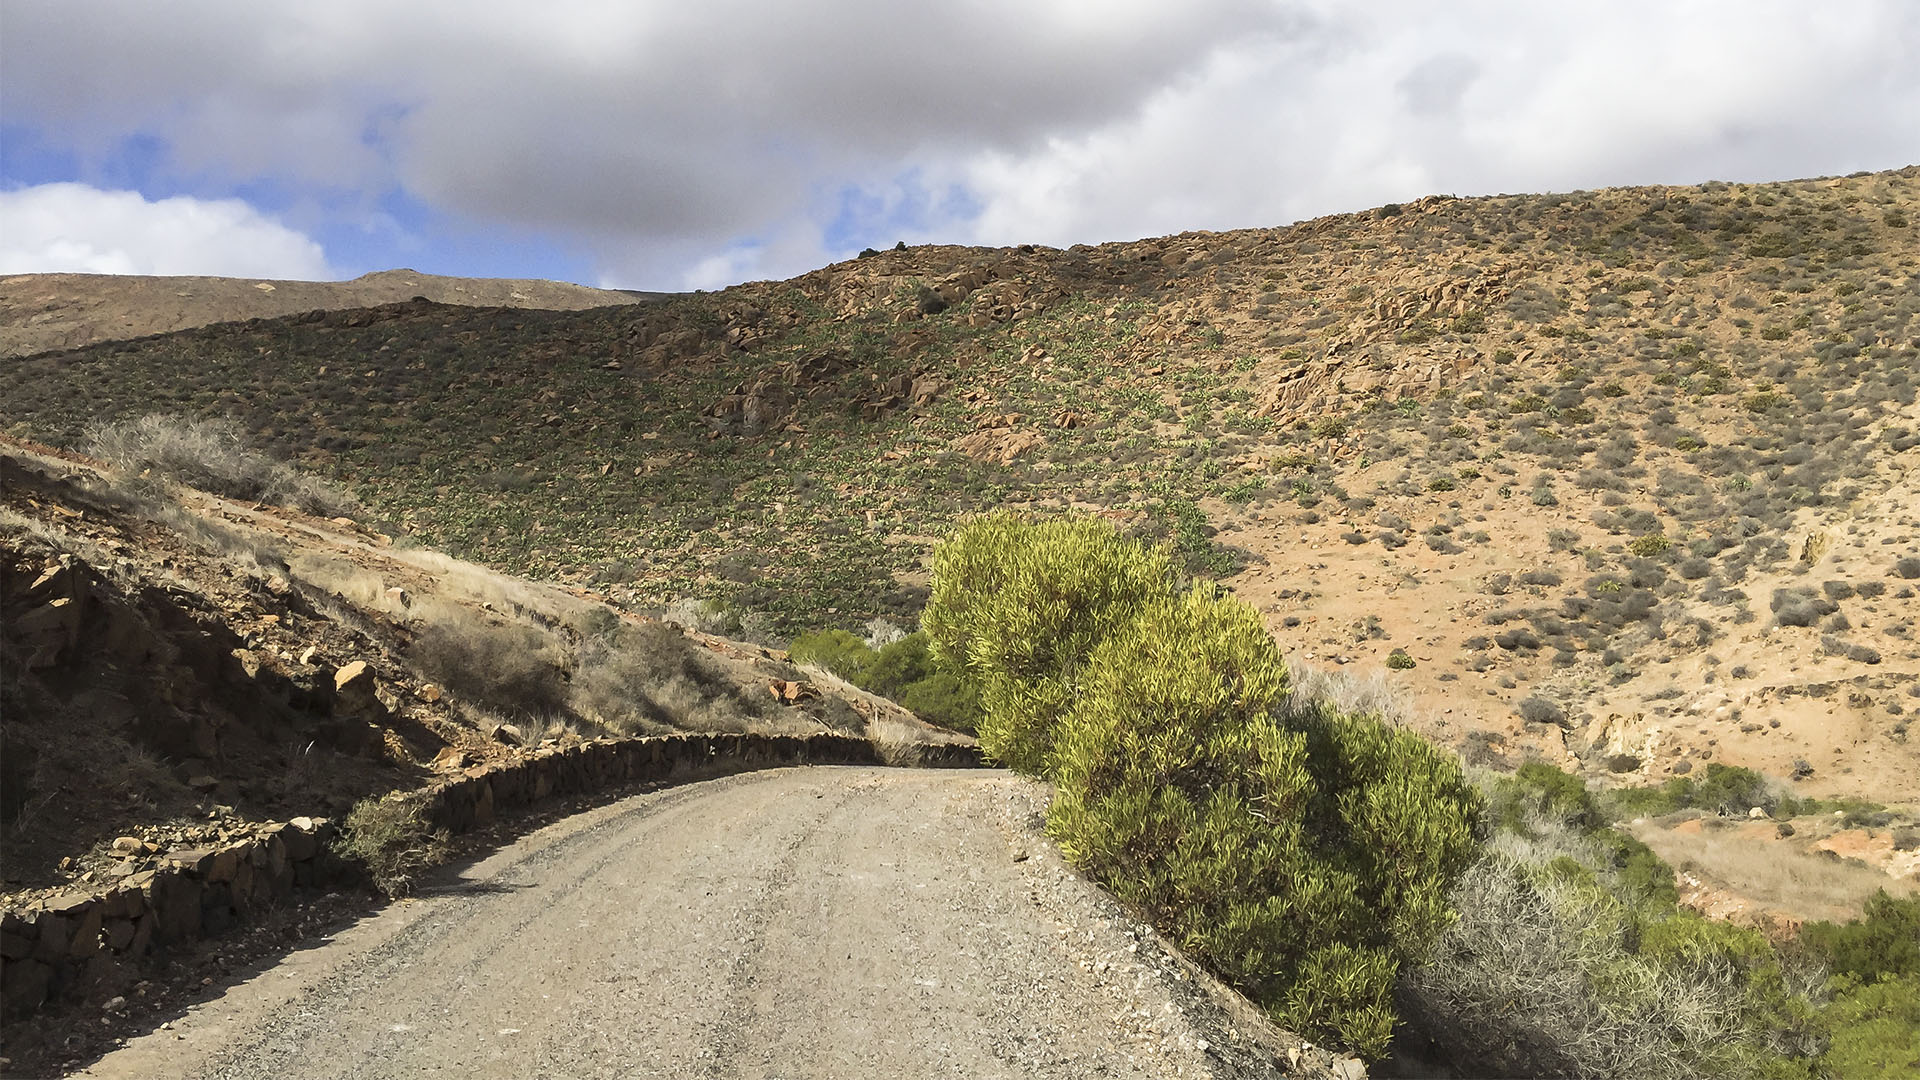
1625, 478
66, 311
179, 667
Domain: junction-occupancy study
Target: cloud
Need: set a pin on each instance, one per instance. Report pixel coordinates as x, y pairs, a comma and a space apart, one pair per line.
676, 142
75, 228
1385, 103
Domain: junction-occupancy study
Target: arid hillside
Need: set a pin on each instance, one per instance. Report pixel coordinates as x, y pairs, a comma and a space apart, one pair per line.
66, 311
179, 667
1624, 478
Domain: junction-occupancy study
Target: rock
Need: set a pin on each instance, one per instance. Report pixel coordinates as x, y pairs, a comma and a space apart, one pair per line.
25, 987
70, 905
398, 597
430, 693
508, 735
224, 864
1757, 813
354, 692
450, 759
306, 655
203, 782
788, 692
301, 836
351, 675
192, 860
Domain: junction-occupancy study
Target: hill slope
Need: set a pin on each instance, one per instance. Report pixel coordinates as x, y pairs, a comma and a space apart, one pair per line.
175, 666
65, 311
1628, 475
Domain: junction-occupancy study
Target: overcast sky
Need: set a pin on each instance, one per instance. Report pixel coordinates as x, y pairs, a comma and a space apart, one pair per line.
676, 145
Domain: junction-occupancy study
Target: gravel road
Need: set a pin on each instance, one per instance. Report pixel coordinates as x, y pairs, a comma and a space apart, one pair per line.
819, 922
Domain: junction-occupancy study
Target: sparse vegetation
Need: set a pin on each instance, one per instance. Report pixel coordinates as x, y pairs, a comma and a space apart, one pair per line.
392, 841
211, 455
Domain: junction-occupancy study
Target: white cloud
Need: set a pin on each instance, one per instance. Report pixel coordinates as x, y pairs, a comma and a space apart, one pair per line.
682, 142
80, 229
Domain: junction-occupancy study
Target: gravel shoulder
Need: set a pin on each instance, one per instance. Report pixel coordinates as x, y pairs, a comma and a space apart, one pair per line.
842, 922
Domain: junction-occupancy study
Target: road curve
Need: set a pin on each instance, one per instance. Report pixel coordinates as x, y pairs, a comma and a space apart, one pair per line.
814, 922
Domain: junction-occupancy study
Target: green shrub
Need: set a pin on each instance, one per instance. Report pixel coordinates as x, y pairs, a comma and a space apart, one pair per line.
1873, 1030
1019, 605
1884, 941
1649, 545
1304, 858
1539, 792
946, 699
836, 650
1724, 789
904, 670
391, 840
1398, 660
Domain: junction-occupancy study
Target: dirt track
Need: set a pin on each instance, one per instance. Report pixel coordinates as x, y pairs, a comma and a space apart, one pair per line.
823, 922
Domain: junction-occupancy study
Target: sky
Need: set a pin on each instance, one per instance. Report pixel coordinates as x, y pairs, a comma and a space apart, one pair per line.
675, 145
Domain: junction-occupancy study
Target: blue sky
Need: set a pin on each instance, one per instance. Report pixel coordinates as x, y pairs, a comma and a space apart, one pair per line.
672, 146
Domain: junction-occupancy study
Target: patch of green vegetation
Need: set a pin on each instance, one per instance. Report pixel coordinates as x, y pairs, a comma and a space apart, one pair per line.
1302, 855
904, 670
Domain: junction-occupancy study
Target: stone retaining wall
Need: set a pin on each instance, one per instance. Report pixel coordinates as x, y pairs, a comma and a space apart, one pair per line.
68, 944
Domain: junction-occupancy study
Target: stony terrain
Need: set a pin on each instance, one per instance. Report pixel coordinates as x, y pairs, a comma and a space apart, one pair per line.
66, 311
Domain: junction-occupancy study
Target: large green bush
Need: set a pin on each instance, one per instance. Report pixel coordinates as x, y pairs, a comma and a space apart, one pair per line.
1019, 606
1303, 854
1303, 858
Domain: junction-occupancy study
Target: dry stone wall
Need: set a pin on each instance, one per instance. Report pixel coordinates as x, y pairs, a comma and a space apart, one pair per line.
70, 944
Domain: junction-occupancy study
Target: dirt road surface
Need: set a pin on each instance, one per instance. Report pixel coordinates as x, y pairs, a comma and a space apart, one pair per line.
820, 922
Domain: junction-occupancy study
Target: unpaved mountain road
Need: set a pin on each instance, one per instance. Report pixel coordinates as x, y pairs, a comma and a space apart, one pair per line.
818, 922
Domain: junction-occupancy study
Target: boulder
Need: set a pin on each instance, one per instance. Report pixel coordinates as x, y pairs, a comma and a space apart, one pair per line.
354, 692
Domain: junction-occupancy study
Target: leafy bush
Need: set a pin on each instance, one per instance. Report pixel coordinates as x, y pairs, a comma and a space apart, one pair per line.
1724, 789
836, 650
905, 670
1874, 1029
1305, 861
1539, 791
1019, 605
211, 455
1302, 852
1884, 941
390, 839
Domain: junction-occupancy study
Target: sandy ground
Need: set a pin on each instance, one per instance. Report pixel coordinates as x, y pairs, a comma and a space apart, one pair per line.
795, 923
